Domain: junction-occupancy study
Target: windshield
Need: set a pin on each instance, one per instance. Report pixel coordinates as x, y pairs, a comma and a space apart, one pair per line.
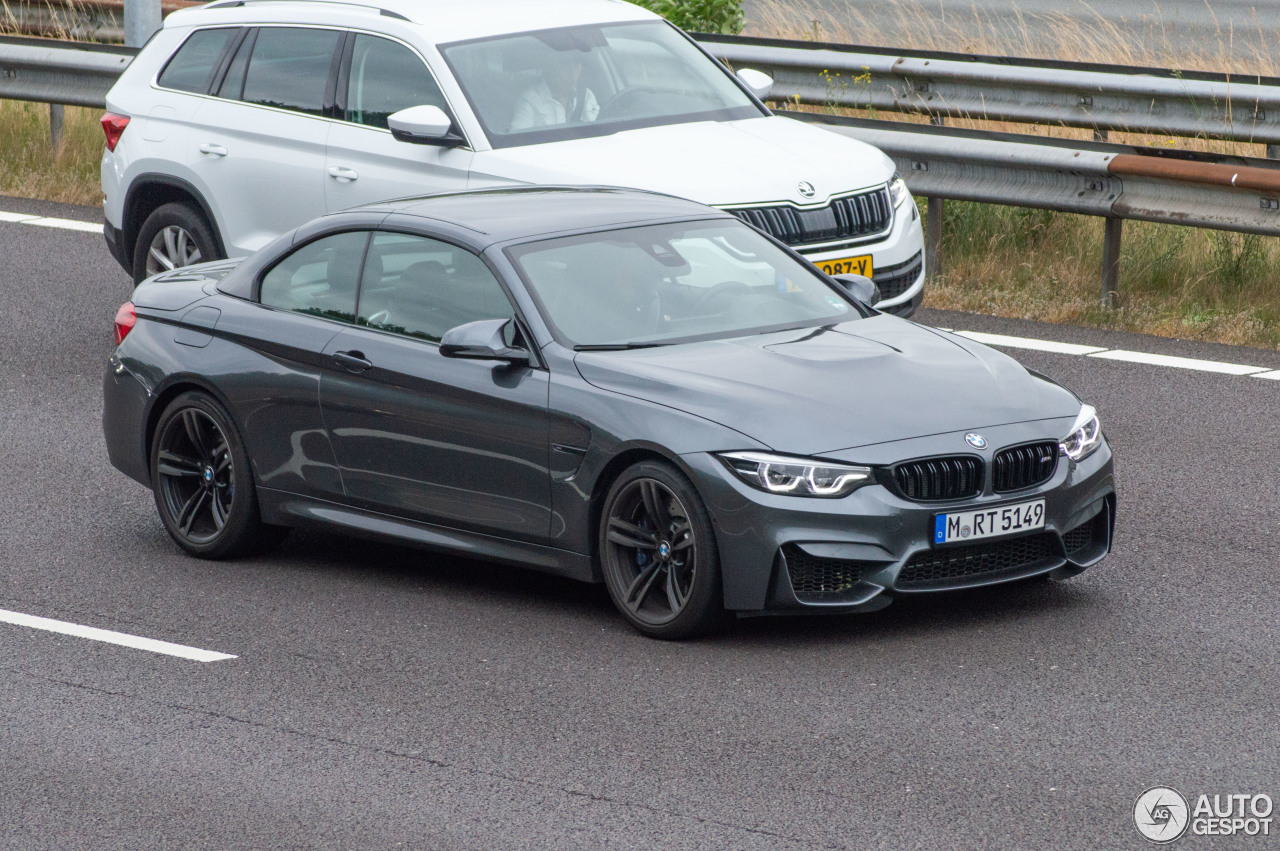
673, 282
576, 82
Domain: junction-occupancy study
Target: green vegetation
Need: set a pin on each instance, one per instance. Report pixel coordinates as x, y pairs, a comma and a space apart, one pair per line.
700, 16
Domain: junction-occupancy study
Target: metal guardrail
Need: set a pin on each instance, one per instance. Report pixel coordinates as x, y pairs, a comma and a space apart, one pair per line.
1071, 94
1115, 182
60, 72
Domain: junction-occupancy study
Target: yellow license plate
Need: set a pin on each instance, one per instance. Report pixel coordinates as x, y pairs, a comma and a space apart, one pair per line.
860, 265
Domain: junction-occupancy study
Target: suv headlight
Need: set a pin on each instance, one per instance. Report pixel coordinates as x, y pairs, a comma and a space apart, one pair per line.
898, 191
1085, 435
784, 474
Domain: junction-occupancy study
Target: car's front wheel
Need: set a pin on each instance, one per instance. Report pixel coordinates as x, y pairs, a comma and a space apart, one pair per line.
174, 235
202, 482
658, 553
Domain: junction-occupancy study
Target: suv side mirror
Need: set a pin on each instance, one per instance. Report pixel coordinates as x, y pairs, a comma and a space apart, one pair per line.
482, 340
423, 125
758, 81
860, 287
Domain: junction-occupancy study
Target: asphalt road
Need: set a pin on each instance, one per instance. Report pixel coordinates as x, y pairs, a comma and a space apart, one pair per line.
388, 698
1243, 30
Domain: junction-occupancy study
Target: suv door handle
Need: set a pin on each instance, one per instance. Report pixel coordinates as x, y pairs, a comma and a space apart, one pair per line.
353, 361
213, 150
343, 175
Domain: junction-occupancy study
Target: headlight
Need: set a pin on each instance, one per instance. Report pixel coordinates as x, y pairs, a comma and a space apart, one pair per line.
898, 191
1085, 435
796, 476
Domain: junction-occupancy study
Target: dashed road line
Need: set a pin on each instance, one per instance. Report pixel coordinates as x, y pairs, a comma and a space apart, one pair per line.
1147, 358
50, 222
1179, 363
1030, 343
110, 637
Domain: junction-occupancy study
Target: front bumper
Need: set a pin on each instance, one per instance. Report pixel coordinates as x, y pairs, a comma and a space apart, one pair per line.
897, 260
786, 553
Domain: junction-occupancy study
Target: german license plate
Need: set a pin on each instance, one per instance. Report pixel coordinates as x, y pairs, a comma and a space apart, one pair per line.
988, 523
860, 265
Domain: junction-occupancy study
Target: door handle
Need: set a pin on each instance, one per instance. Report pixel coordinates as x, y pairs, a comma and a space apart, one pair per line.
213, 150
343, 175
353, 361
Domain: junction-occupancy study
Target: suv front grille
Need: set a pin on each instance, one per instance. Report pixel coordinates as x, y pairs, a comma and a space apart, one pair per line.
820, 580
938, 479
893, 281
976, 561
1024, 466
850, 217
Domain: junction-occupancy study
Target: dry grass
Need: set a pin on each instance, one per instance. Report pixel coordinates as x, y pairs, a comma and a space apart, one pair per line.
30, 167
1036, 264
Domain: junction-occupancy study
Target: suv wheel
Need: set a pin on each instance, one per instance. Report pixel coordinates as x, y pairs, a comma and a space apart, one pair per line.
174, 235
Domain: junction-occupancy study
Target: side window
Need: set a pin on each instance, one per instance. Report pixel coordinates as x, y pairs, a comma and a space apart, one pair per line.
387, 77
191, 68
422, 287
290, 68
319, 278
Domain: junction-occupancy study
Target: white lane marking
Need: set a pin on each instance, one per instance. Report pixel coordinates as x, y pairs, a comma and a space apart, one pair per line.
1148, 358
1179, 363
64, 224
110, 637
1030, 343
50, 222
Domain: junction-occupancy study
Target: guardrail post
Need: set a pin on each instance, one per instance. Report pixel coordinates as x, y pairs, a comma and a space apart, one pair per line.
1111, 262
933, 223
141, 19
56, 117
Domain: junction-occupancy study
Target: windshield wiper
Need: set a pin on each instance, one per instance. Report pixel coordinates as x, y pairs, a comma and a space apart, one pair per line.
617, 347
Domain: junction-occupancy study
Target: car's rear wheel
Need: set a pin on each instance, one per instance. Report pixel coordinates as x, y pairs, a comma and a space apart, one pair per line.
658, 553
202, 482
174, 235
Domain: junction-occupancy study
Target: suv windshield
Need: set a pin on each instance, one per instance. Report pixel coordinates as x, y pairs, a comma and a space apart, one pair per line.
576, 82
664, 283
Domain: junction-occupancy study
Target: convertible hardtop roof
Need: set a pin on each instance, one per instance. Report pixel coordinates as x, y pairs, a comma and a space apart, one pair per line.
501, 215
448, 20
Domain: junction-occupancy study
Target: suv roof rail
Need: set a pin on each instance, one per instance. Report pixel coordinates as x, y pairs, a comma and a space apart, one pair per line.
387, 13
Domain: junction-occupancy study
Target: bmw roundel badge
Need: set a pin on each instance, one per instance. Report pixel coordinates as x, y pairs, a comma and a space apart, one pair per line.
976, 440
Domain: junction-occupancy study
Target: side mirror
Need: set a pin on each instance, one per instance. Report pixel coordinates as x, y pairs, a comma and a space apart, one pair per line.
757, 81
860, 287
423, 125
482, 340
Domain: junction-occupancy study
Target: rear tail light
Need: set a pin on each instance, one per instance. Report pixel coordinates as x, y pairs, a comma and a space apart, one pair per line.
113, 125
125, 320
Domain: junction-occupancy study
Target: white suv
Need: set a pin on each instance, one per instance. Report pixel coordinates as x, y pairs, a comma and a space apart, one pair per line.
244, 118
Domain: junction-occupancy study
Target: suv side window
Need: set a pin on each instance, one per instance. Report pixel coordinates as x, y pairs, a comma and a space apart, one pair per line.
387, 77
290, 68
423, 287
320, 278
191, 68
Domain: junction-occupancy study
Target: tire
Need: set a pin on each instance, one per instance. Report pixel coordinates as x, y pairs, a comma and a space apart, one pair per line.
666, 585
202, 482
174, 235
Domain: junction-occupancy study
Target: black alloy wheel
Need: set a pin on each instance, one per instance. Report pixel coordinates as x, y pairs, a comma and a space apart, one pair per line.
658, 553
202, 483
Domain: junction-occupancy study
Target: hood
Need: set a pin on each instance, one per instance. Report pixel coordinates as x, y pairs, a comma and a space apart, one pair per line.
752, 161
821, 390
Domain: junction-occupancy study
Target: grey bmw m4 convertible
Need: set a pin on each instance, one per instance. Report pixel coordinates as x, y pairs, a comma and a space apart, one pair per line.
606, 384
